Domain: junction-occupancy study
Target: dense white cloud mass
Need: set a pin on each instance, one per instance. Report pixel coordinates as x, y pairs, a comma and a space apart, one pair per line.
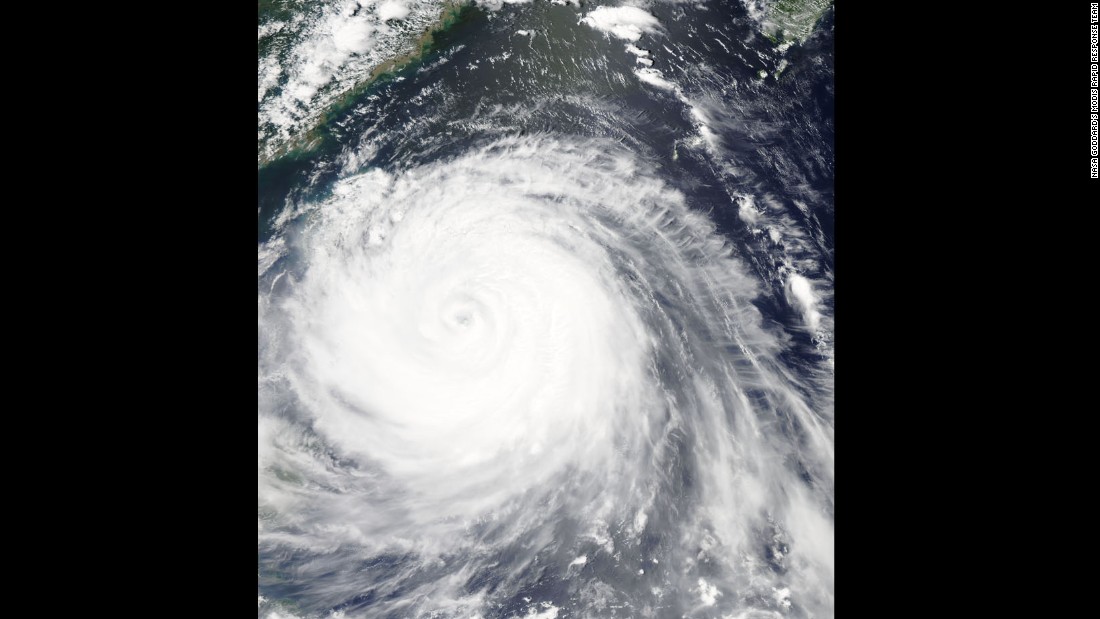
534, 353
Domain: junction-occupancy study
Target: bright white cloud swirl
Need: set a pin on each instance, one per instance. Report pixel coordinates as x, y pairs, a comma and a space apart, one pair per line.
527, 354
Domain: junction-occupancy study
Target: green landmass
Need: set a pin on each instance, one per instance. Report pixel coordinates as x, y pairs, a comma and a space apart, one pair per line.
310, 139
269, 9
792, 21
452, 11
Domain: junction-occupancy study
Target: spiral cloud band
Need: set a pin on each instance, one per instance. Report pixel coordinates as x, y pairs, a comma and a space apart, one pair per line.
533, 354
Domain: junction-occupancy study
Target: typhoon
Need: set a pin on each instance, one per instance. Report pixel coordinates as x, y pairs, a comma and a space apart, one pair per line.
512, 365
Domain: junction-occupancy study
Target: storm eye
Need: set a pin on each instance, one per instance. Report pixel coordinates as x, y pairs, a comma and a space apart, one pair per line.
463, 318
